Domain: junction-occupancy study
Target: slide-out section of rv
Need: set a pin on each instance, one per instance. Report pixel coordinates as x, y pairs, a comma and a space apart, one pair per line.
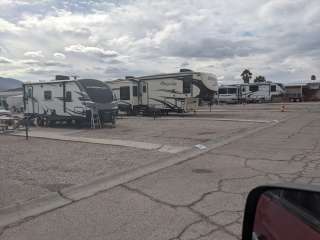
174, 92
79, 101
229, 94
250, 93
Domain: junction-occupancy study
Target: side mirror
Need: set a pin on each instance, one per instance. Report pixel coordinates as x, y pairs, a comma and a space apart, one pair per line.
281, 212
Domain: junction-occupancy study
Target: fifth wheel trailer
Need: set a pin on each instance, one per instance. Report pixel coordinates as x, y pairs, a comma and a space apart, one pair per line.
82, 101
174, 92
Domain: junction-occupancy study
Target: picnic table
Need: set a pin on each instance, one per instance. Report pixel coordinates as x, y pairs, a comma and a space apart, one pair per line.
9, 121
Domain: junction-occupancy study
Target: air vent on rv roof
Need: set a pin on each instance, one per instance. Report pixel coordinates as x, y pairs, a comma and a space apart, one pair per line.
62, 77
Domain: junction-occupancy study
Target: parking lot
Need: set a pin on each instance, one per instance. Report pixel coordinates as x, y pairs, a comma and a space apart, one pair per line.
38, 166
243, 146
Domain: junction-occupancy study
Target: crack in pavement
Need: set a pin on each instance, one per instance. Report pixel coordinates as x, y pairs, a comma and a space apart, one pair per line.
295, 176
65, 197
150, 197
207, 219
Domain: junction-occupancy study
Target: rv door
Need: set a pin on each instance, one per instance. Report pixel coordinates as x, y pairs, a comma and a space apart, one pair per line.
143, 97
29, 100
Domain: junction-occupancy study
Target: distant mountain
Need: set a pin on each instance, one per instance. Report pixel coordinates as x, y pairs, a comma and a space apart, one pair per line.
9, 83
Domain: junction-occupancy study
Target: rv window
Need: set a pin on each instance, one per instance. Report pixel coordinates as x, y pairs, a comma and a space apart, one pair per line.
47, 95
29, 92
254, 88
232, 91
124, 93
222, 90
273, 88
68, 96
144, 88
135, 91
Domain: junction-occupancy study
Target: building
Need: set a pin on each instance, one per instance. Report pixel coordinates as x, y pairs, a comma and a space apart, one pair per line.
303, 91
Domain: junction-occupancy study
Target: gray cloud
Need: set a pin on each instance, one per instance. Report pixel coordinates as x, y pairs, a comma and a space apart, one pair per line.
51, 63
41, 72
93, 51
34, 54
278, 39
5, 60
113, 61
212, 48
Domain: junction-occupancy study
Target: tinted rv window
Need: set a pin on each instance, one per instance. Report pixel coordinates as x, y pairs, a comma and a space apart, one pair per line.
124, 93
273, 88
232, 91
68, 96
222, 90
47, 95
98, 91
253, 88
30, 92
135, 91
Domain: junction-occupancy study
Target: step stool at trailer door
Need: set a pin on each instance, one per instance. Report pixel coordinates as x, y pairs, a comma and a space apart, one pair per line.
95, 121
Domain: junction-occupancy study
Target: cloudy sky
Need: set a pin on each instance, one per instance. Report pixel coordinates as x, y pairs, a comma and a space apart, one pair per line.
279, 39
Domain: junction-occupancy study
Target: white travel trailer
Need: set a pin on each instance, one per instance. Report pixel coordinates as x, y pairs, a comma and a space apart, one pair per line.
175, 92
252, 92
81, 101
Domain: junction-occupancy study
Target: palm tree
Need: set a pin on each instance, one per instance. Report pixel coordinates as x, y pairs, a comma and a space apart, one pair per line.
260, 79
246, 75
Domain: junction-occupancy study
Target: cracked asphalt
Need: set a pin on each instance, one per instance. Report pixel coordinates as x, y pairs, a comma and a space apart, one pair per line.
202, 198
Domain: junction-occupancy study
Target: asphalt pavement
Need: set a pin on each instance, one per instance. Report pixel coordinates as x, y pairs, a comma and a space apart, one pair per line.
199, 197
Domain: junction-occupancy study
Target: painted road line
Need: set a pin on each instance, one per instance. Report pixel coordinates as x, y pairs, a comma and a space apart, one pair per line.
209, 119
224, 119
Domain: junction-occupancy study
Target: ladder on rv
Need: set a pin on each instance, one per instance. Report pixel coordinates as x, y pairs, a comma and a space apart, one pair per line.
95, 121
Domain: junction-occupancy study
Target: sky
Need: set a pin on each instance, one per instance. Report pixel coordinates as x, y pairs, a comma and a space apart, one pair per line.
279, 39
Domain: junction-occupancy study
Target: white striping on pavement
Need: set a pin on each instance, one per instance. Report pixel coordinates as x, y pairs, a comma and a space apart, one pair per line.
207, 119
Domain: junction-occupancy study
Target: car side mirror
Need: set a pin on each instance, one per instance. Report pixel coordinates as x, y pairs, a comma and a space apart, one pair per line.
281, 212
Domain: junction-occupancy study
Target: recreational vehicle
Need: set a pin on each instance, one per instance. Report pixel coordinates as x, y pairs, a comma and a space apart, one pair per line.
175, 92
81, 101
229, 94
252, 92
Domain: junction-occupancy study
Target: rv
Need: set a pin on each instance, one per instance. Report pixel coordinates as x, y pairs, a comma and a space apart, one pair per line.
229, 94
79, 101
251, 92
175, 92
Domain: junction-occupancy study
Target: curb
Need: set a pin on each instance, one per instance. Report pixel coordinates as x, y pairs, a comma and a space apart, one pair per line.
16, 213
110, 142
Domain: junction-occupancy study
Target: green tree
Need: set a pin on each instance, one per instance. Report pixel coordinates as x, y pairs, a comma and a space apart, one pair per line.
259, 79
246, 75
